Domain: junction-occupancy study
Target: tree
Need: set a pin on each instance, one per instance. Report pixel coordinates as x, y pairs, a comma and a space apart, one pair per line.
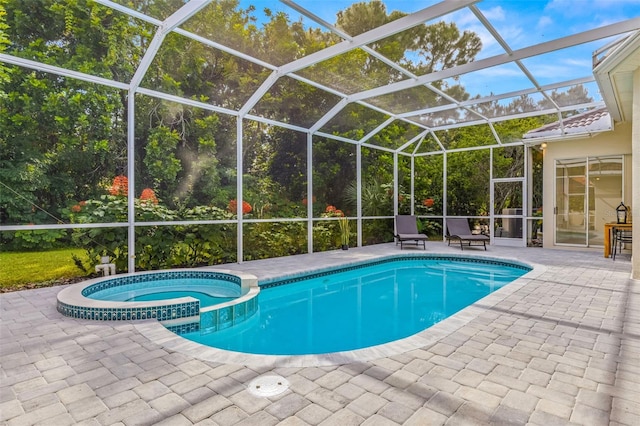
573, 96
187, 155
438, 46
4, 42
61, 139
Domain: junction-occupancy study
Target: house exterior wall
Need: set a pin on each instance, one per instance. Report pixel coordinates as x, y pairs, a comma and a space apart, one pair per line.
615, 142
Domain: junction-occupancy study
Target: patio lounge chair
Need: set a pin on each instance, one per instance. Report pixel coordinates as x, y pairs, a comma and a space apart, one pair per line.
458, 229
407, 230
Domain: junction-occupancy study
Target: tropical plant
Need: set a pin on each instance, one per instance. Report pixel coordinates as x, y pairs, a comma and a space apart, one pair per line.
375, 198
344, 231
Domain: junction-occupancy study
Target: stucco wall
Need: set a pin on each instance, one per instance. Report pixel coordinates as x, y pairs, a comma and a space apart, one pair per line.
616, 142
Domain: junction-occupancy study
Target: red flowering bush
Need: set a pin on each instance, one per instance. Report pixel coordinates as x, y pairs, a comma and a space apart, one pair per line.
428, 202
233, 207
305, 201
77, 208
120, 186
332, 211
148, 196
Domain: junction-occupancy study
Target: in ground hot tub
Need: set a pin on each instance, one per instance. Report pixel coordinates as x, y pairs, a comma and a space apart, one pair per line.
125, 298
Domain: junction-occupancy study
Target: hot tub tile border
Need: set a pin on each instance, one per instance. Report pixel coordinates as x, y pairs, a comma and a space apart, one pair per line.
118, 281
160, 312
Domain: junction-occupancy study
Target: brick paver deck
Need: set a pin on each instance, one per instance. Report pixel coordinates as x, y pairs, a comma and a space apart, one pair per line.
562, 347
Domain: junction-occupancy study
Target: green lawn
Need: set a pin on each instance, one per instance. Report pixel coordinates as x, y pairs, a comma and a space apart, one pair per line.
37, 269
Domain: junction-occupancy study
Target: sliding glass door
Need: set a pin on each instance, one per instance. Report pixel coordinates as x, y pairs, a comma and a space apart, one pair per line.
587, 192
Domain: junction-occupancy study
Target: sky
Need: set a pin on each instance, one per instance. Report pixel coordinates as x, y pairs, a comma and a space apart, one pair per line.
521, 23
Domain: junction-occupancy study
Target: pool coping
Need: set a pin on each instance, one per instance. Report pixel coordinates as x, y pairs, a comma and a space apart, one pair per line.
157, 333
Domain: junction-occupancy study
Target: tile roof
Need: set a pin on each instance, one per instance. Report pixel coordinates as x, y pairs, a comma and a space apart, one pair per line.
594, 121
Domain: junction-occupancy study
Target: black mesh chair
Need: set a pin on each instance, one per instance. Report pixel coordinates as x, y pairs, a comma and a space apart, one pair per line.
458, 230
407, 230
620, 238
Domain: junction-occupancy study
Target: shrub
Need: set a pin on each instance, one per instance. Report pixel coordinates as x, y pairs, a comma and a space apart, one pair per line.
37, 239
157, 247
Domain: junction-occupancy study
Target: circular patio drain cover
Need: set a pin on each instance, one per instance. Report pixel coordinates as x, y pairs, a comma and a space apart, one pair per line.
268, 386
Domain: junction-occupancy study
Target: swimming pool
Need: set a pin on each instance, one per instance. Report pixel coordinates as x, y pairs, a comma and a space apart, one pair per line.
363, 305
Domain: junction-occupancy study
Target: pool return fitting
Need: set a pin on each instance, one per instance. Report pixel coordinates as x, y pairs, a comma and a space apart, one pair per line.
266, 386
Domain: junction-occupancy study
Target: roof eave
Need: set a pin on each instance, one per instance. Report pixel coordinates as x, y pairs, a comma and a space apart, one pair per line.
532, 141
603, 73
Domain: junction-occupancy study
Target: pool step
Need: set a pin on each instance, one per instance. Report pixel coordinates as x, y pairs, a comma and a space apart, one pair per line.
182, 325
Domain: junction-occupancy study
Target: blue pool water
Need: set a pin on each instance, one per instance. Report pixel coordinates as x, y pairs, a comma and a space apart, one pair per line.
361, 307
209, 291
204, 298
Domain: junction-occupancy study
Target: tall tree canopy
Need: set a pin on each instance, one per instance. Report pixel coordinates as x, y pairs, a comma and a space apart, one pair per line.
63, 140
